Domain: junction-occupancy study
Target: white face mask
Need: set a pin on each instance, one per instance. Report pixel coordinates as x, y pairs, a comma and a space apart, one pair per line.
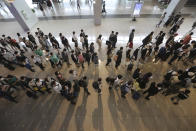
151, 77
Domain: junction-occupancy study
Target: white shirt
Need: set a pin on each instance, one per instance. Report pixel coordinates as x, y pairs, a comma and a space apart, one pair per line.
57, 87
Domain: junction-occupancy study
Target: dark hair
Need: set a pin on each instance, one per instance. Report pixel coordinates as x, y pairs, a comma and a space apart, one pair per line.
18, 34
187, 91
84, 77
120, 76
129, 82
191, 33
133, 30
121, 48
70, 71
32, 56
99, 79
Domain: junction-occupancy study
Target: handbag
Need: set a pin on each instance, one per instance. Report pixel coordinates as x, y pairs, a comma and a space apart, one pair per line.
115, 58
130, 44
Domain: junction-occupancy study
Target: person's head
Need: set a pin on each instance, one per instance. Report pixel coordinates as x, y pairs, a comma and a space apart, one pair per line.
191, 33
133, 30
37, 79
137, 70
51, 53
74, 32
86, 36
22, 78
71, 71
50, 34
116, 33
60, 34
36, 33
72, 51
129, 50
130, 82
165, 13
92, 43
3, 36
112, 32
53, 83
99, 79
38, 29
32, 56
56, 73
151, 33
28, 33
149, 74
84, 78
18, 34
120, 76
82, 30
121, 48
64, 49
163, 34
100, 36
180, 71
187, 91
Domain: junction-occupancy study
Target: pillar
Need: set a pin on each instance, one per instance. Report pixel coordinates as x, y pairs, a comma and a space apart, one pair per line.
22, 13
174, 6
97, 7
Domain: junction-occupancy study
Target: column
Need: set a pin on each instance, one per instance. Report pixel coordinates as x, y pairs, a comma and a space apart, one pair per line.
97, 6
174, 6
22, 13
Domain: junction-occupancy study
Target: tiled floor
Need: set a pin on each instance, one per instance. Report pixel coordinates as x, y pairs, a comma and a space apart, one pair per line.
108, 112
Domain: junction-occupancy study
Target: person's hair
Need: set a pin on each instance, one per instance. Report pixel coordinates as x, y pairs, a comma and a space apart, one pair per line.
60, 34
53, 83
99, 79
180, 71
72, 51
149, 74
129, 82
86, 35
37, 28
81, 30
74, 32
119, 76
32, 56
56, 73
95, 53
187, 91
116, 33
36, 33
133, 30
3, 35
36, 79
99, 36
191, 33
151, 33
64, 49
70, 71
121, 48
112, 32
18, 34
84, 78
22, 77
28, 32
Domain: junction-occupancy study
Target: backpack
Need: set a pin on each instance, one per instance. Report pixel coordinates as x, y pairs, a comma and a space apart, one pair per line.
95, 60
136, 95
81, 58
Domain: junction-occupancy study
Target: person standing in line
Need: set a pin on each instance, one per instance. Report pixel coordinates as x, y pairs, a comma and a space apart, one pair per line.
31, 38
119, 57
115, 39
92, 48
99, 41
65, 42
97, 85
82, 41
37, 61
65, 56
126, 88
152, 90
111, 38
131, 37
88, 57
103, 8
161, 19
147, 39
109, 56
74, 38
49, 3
78, 4
86, 42
74, 58
95, 59
81, 60
83, 83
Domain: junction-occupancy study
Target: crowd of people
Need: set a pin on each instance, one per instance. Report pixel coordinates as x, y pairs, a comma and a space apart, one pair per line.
40, 49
